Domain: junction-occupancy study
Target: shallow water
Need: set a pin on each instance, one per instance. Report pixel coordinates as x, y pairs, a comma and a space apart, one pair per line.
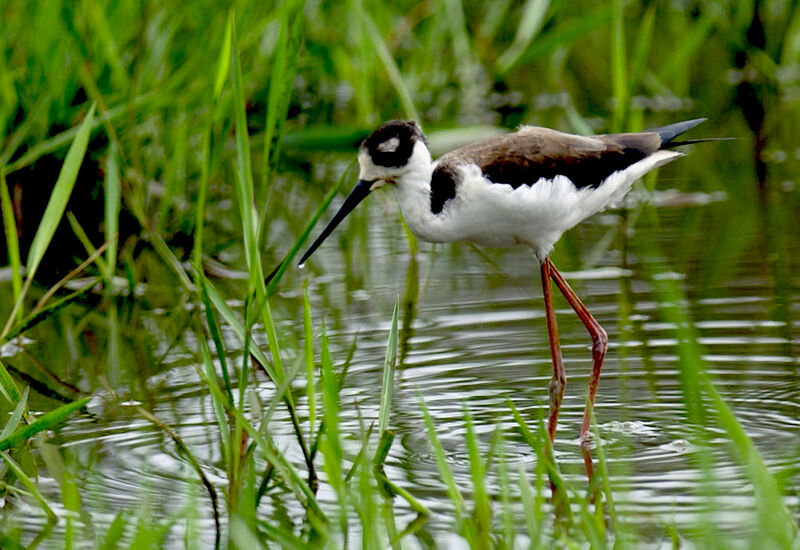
474, 337
479, 339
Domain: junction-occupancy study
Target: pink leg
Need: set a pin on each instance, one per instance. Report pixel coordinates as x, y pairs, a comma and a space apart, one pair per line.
599, 346
559, 381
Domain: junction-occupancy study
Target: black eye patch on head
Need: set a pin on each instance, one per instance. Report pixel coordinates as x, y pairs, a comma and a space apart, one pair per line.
391, 145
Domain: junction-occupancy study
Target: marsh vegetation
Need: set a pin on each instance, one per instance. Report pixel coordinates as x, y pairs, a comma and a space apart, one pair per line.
158, 160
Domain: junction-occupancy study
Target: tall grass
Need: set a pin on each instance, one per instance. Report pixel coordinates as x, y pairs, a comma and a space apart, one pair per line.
210, 106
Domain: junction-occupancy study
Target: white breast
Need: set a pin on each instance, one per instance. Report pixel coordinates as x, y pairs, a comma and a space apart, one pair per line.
496, 215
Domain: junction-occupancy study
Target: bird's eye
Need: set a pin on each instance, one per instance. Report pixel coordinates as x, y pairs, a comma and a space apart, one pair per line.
389, 146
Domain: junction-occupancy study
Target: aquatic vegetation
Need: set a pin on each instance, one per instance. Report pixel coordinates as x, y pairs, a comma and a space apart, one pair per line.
157, 162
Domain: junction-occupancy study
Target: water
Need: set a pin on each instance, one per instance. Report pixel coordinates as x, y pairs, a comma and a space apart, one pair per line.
479, 338
474, 336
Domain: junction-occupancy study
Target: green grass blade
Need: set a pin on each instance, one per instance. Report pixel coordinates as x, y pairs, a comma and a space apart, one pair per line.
311, 389
776, 521
7, 386
619, 68
339, 138
284, 467
150, 532
441, 462
70, 496
565, 34
395, 489
467, 70
481, 521
50, 145
389, 64
689, 44
238, 328
506, 514
790, 50
39, 315
103, 35
202, 199
244, 173
184, 450
531, 21
330, 395
272, 340
273, 369
285, 539
245, 357
114, 533
592, 527
216, 335
605, 476
162, 248
280, 392
30, 485
169, 258
388, 372
641, 50
494, 15
224, 61
21, 132
77, 229
220, 406
44, 422
273, 283
16, 415
113, 202
330, 443
277, 367
60, 195
221, 75
541, 446
528, 498
284, 68
12, 239
242, 535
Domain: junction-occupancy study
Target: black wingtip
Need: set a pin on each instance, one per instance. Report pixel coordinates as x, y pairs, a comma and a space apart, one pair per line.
671, 131
673, 144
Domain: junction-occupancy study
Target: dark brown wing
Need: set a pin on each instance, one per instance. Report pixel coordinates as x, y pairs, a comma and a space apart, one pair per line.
532, 153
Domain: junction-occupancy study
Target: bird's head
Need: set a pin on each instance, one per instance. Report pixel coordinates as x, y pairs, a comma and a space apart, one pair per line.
389, 152
395, 149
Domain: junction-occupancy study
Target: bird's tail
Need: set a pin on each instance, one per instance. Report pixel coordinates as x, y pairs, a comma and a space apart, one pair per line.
671, 131
671, 144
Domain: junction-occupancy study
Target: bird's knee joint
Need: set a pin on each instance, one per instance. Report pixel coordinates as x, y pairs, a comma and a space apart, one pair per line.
557, 385
600, 341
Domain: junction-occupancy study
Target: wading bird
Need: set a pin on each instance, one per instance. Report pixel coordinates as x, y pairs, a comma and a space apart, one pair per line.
525, 188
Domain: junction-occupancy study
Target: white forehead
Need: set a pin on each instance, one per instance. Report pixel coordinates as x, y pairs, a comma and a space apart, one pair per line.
390, 145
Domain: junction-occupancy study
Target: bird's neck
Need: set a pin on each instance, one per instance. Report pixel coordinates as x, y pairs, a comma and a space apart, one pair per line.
414, 193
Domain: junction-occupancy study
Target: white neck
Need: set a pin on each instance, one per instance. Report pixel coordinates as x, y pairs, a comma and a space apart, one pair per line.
414, 194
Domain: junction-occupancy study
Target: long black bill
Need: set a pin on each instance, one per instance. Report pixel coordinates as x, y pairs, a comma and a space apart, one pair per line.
358, 194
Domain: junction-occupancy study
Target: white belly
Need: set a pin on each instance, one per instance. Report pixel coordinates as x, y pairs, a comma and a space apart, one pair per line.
534, 215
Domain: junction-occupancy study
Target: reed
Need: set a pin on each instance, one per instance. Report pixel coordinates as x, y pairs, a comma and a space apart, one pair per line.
218, 137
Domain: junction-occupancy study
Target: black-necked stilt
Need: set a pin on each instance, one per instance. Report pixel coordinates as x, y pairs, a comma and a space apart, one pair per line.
524, 188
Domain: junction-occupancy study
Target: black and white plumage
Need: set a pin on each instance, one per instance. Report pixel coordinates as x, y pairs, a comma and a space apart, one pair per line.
524, 188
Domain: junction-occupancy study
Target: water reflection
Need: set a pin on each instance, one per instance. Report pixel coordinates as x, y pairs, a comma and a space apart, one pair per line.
477, 342
473, 336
